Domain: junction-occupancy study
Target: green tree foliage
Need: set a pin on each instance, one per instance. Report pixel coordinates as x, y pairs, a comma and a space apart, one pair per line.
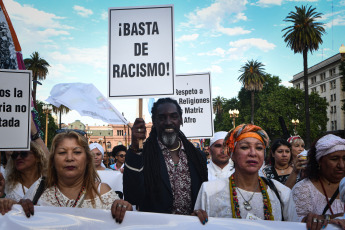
302, 36
252, 78
52, 127
39, 68
273, 101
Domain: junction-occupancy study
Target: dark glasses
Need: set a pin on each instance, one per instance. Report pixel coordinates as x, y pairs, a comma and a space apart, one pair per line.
121, 155
22, 155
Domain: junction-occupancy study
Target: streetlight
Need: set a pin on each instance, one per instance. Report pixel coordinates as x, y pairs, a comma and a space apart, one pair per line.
233, 114
47, 109
295, 123
88, 133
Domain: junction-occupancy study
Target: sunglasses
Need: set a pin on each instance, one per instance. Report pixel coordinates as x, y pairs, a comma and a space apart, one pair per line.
22, 155
121, 155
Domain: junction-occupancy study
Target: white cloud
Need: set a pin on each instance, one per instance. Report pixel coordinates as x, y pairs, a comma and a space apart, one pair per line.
286, 84
342, 2
215, 69
213, 16
96, 57
265, 3
180, 58
82, 11
245, 44
216, 52
184, 38
338, 21
104, 15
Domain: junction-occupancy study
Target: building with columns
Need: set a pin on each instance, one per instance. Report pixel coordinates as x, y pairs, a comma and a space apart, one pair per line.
325, 79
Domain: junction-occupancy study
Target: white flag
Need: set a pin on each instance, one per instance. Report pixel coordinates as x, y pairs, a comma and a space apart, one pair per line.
87, 100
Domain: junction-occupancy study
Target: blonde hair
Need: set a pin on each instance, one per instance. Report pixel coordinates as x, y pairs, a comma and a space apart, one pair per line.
90, 174
298, 141
14, 176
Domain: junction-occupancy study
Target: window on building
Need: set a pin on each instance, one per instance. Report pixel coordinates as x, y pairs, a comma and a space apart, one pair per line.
120, 132
335, 125
313, 90
313, 80
334, 109
298, 86
323, 88
331, 97
331, 72
334, 97
332, 84
325, 98
331, 109
322, 76
332, 125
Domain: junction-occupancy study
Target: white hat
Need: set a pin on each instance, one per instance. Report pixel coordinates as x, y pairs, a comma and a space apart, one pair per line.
329, 144
98, 146
218, 136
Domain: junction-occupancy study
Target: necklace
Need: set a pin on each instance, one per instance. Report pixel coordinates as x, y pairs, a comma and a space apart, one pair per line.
82, 191
236, 213
179, 145
246, 202
282, 170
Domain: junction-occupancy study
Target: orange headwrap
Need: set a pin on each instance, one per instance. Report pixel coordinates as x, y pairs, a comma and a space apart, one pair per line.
244, 131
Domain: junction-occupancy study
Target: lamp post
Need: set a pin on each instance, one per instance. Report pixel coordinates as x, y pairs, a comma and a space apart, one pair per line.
342, 52
46, 110
233, 114
88, 133
295, 123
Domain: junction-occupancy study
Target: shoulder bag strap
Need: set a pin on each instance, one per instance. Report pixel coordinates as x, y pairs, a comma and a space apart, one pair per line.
335, 194
39, 191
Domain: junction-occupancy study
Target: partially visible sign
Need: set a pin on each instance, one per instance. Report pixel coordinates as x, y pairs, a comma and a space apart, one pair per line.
15, 109
141, 51
193, 93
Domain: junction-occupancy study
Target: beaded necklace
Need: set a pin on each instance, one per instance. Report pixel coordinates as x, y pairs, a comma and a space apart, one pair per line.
82, 191
234, 200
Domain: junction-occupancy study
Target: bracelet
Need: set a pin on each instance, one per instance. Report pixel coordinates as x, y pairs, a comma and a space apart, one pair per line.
135, 150
35, 136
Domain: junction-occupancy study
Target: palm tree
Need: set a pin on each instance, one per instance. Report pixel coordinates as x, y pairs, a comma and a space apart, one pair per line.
61, 110
39, 68
253, 79
302, 36
218, 105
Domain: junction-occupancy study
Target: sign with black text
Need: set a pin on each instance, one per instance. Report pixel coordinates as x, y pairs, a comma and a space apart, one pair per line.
193, 93
141, 51
15, 109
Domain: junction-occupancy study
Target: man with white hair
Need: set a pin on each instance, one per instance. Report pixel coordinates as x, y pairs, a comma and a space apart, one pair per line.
221, 166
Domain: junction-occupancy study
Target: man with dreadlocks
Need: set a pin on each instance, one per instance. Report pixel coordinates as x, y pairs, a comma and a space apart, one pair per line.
164, 176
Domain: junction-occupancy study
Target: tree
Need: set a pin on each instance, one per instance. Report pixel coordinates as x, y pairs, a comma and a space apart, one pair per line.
302, 36
252, 78
39, 68
60, 110
218, 105
52, 127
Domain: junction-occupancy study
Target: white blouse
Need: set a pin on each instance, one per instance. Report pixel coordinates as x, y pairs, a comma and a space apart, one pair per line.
214, 198
215, 172
309, 199
20, 191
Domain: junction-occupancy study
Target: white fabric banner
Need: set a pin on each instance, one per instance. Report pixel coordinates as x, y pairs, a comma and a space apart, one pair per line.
87, 100
78, 218
112, 178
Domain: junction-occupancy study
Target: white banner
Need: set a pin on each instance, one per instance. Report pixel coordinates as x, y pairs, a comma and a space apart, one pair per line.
87, 100
15, 109
193, 93
81, 218
141, 51
112, 178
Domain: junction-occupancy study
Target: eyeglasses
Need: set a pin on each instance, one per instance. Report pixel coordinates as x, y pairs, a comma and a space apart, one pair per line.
22, 155
121, 155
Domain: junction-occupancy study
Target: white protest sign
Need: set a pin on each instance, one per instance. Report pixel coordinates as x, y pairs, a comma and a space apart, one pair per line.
84, 218
193, 93
141, 51
15, 109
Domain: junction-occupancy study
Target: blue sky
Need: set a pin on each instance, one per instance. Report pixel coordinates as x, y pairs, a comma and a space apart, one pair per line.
218, 36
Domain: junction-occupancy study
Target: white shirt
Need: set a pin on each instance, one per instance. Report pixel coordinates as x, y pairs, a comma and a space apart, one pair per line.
215, 172
2, 170
20, 191
214, 198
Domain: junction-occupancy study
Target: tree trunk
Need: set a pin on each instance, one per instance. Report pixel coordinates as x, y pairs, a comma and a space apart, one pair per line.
306, 98
252, 98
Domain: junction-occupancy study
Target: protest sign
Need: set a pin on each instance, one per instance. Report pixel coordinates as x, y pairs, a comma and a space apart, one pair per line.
15, 109
141, 51
83, 218
193, 93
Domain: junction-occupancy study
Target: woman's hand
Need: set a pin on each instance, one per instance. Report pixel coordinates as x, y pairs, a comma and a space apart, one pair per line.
202, 215
28, 207
6, 205
315, 222
339, 222
299, 164
119, 208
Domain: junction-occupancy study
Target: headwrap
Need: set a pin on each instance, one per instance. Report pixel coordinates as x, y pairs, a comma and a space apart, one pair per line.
342, 190
100, 148
329, 144
244, 131
218, 136
291, 139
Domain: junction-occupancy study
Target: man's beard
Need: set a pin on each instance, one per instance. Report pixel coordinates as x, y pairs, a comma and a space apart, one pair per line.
168, 139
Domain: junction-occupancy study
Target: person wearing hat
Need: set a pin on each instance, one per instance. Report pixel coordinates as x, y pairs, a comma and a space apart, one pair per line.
98, 152
220, 166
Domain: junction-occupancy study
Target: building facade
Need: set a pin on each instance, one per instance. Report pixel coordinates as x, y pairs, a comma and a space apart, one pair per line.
324, 78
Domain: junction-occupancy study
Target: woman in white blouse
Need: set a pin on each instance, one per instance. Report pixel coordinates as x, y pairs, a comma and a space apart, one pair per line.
72, 180
325, 169
244, 194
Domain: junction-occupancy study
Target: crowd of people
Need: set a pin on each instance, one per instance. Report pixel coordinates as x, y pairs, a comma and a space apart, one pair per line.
245, 176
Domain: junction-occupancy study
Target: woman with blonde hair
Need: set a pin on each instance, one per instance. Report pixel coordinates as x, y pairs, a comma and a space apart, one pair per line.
72, 180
